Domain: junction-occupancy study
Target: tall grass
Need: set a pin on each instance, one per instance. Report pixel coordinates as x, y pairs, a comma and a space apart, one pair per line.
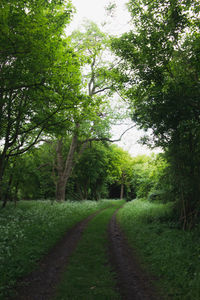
169, 253
28, 231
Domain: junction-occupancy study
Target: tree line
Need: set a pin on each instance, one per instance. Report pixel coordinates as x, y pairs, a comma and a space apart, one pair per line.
102, 171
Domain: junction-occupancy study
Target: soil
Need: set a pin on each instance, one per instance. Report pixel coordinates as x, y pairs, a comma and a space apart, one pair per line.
133, 282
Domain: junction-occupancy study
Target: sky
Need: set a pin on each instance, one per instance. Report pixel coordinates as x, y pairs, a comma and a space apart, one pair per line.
95, 10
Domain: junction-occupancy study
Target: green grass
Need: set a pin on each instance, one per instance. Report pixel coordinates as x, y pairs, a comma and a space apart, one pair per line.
89, 275
169, 253
28, 231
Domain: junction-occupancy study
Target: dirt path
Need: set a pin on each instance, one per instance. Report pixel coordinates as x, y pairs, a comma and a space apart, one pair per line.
41, 283
133, 282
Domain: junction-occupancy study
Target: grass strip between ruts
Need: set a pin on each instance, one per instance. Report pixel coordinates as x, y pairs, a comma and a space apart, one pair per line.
89, 275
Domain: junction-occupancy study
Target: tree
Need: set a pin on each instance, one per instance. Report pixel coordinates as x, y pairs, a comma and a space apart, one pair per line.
162, 56
149, 178
37, 164
91, 172
38, 71
91, 118
120, 171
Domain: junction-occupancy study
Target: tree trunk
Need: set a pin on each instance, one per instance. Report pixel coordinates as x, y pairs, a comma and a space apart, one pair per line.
16, 192
122, 191
79, 190
60, 189
59, 167
3, 162
8, 193
64, 170
122, 185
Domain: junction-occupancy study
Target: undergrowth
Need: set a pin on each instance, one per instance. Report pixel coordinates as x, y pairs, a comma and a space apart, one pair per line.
28, 231
169, 253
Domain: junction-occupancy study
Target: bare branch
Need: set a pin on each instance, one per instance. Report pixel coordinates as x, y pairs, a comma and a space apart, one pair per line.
107, 139
43, 166
102, 90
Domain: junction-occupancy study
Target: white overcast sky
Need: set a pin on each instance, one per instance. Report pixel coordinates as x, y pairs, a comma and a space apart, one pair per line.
95, 10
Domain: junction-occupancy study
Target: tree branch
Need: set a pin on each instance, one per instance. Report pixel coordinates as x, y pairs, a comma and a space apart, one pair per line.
27, 148
22, 87
107, 139
102, 90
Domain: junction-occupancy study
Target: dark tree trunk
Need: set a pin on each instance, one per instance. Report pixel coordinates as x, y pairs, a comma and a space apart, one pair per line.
122, 186
60, 189
16, 192
8, 195
3, 162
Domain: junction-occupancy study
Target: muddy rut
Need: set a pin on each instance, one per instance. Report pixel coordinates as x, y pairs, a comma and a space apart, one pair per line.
132, 282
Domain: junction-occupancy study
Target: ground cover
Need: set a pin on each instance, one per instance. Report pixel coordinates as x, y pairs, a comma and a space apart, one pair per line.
28, 231
89, 274
169, 253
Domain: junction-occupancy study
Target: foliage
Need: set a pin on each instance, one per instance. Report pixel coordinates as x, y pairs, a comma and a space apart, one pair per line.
92, 181
120, 171
99, 79
161, 58
88, 274
39, 73
46, 95
166, 251
150, 177
36, 164
29, 230
91, 117
105, 167
93, 44
32, 66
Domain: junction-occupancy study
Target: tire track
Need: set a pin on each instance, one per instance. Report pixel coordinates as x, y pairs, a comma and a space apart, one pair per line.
133, 282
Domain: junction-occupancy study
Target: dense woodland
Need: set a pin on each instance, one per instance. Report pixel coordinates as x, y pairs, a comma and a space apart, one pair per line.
56, 104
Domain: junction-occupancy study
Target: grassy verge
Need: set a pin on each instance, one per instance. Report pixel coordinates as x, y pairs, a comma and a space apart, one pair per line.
89, 275
28, 231
168, 252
